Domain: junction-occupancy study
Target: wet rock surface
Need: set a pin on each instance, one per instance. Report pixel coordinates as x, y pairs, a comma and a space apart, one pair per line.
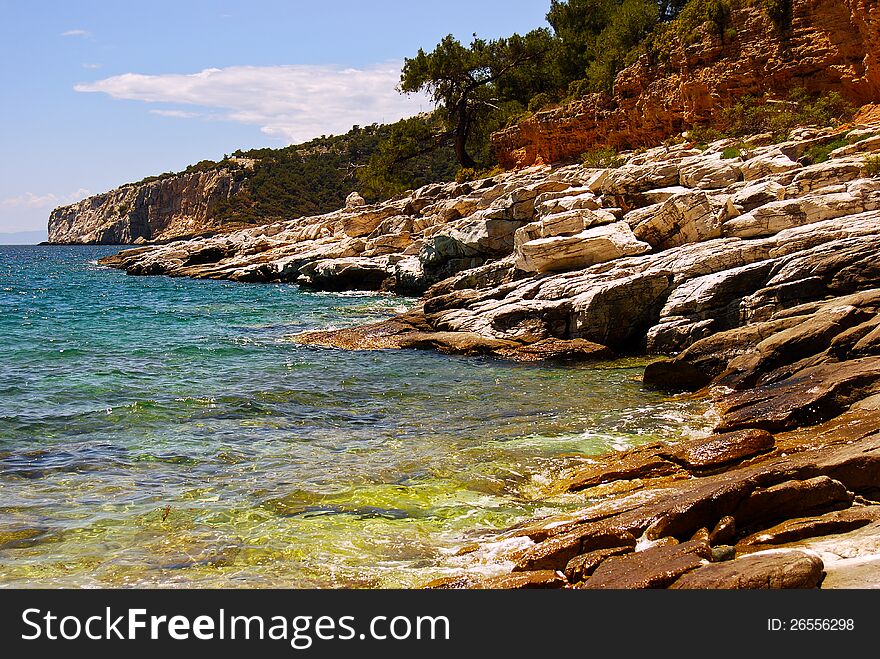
790, 569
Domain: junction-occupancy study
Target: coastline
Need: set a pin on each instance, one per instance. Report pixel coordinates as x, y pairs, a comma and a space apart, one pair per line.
756, 272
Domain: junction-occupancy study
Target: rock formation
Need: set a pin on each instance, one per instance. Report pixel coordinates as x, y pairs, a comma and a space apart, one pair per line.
829, 45
169, 207
758, 275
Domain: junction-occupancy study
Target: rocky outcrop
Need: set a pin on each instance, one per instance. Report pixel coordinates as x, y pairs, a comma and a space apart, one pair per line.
173, 206
829, 45
763, 293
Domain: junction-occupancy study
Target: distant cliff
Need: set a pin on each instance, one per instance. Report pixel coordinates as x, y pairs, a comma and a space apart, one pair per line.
822, 45
172, 206
249, 188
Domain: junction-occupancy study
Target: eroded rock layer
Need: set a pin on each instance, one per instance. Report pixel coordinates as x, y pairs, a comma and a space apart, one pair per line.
827, 45
180, 205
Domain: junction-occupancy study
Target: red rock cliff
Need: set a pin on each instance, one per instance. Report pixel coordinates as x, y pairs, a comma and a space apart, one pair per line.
831, 45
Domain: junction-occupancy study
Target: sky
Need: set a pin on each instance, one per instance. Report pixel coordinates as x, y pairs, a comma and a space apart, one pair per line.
101, 93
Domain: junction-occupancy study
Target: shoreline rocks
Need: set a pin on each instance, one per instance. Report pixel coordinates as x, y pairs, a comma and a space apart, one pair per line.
762, 293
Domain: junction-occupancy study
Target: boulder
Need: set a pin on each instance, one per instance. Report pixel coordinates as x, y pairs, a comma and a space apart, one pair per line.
709, 171
824, 174
724, 532
596, 245
777, 216
754, 195
639, 178
581, 567
657, 567
773, 570
354, 200
793, 530
643, 462
687, 218
792, 499
555, 552
722, 450
810, 396
355, 273
772, 162
357, 224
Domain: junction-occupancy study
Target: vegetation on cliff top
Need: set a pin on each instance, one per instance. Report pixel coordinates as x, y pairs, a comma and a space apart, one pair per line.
315, 177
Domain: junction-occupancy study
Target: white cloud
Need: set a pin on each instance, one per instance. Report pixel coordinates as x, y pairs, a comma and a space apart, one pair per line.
48, 200
179, 114
91, 66
293, 102
76, 33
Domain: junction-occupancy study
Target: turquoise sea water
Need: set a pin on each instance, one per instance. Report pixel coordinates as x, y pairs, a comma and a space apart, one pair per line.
167, 432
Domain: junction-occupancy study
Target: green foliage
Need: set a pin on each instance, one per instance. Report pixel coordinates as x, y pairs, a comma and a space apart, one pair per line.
616, 46
779, 11
541, 102
751, 115
470, 174
413, 153
713, 14
704, 135
602, 158
472, 85
872, 166
730, 153
822, 152
598, 38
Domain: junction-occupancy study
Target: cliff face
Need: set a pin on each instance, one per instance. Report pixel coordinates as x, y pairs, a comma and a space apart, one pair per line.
174, 206
830, 45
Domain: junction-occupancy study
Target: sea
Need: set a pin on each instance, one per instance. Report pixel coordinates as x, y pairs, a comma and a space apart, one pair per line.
159, 432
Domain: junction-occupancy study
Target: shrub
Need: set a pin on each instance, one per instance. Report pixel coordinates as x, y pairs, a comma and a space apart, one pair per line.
540, 102
872, 166
702, 136
713, 14
779, 11
466, 174
751, 115
602, 158
730, 153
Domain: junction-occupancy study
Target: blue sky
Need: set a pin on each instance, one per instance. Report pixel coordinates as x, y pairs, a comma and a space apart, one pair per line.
99, 93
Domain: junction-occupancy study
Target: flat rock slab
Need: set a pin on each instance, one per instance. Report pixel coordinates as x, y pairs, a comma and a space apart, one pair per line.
862, 572
793, 499
539, 579
643, 462
722, 450
792, 530
557, 349
766, 570
581, 567
556, 552
653, 568
811, 396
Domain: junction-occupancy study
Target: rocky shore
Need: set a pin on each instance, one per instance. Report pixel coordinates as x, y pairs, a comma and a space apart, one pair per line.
753, 266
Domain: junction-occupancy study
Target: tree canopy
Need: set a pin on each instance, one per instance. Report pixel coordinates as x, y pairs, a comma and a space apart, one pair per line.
464, 82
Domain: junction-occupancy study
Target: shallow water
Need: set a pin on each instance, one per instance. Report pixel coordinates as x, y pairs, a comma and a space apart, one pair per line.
167, 432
